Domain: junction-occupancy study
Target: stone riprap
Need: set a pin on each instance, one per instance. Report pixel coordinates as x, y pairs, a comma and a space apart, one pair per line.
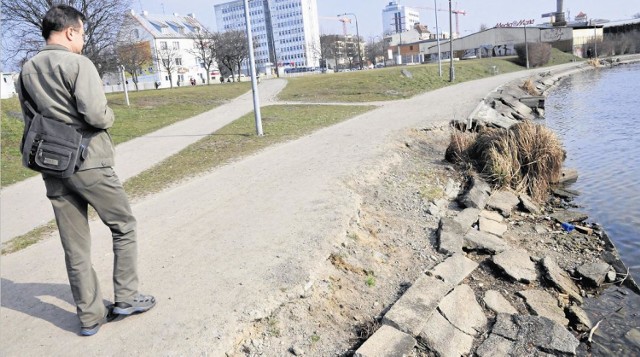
503, 202
497, 303
484, 242
444, 338
454, 269
450, 236
462, 310
478, 195
594, 273
491, 226
559, 278
545, 305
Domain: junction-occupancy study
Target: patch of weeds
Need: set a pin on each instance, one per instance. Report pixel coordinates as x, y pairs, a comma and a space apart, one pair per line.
431, 193
370, 280
315, 338
273, 328
353, 235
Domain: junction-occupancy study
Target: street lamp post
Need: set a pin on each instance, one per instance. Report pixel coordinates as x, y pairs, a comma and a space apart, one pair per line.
452, 72
252, 66
526, 45
357, 34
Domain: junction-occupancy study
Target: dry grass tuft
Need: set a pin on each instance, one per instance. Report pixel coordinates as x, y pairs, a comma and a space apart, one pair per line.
459, 148
530, 87
526, 158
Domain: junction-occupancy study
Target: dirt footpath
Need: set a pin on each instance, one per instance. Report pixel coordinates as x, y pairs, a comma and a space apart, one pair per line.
232, 247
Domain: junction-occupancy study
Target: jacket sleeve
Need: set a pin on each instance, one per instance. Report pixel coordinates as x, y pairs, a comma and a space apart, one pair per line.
90, 99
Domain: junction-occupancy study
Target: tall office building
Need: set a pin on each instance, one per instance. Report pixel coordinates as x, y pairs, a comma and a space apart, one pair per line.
285, 32
398, 18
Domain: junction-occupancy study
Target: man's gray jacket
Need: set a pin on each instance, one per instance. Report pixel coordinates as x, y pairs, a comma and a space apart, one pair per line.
66, 86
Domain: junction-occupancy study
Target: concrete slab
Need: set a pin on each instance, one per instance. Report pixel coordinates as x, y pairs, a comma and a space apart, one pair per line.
387, 342
454, 269
462, 310
450, 234
443, 338
467, 217
485, 242
478, 195
411, 312
491, 226
497, 303
503, 202
560, 279
517, 264
545, 305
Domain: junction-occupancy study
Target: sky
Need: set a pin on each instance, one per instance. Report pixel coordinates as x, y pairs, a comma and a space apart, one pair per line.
369, 12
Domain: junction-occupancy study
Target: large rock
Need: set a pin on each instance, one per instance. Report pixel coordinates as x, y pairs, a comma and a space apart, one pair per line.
579, 319
519, 107
454, 269
490, 117
492, 215
517, 264
387, 341
463, 311
532, 335
528, 204
478, 194
497, 303
444, 339
633, 336
468, 217
411, 312
569, 216
485, 242
560, 279
594, 273
503, 202
543, 304
450, 236
491, 226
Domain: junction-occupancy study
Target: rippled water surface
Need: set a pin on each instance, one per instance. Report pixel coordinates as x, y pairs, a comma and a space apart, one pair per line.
597, 116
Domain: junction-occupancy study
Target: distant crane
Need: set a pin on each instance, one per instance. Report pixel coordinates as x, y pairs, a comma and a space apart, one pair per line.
345, 20
455, 12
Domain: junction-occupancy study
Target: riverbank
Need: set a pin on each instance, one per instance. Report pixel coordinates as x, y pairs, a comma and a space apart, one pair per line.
534, 270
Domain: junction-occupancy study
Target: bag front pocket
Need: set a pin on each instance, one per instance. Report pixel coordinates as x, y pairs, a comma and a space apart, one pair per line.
53, 157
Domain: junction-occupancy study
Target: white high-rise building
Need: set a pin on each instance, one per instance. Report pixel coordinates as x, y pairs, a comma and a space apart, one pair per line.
284, 31
398, 18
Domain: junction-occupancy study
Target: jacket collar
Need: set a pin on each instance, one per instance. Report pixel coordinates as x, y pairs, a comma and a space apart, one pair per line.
55, 47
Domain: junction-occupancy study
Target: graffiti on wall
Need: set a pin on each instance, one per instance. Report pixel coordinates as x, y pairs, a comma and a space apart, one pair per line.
554, 34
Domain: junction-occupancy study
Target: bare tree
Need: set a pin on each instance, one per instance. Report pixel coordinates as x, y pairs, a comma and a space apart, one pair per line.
22, 28
204, 48
483, 27
232, 49
166, 56
131, 52
375, 50
332, 46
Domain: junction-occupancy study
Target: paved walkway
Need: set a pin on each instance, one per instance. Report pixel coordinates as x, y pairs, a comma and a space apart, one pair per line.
25, 207
224, 248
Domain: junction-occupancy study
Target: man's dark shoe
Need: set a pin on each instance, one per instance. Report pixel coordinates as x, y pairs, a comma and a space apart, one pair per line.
92, 330
137, 304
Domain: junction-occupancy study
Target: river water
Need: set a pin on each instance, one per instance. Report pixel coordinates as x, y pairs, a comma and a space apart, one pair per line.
597, 116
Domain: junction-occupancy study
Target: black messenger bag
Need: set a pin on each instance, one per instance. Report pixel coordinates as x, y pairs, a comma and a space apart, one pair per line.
50, 146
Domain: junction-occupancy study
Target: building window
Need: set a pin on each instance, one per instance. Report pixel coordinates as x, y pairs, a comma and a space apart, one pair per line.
178, 61
176, 45
163, 45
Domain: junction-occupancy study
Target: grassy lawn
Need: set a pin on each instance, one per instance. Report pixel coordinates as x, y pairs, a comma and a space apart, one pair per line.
389, 84
238, 139
149, 111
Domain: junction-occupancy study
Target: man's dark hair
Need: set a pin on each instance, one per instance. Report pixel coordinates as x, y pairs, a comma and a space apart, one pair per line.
59, 17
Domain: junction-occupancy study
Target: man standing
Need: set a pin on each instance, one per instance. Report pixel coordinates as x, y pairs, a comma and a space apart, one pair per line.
60, 83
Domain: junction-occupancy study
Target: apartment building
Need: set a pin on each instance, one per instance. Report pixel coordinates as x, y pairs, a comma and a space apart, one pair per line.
166, 36
398, 18
286, 32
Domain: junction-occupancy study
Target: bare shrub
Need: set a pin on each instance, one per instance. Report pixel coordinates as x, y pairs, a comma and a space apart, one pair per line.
539, 54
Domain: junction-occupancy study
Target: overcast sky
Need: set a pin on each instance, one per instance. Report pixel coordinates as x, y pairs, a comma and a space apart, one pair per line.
369, 12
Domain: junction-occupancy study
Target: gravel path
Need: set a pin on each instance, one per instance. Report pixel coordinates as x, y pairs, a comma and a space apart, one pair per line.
222, 249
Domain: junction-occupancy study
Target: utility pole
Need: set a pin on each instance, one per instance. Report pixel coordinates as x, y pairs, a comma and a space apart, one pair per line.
452, 72
252, 65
